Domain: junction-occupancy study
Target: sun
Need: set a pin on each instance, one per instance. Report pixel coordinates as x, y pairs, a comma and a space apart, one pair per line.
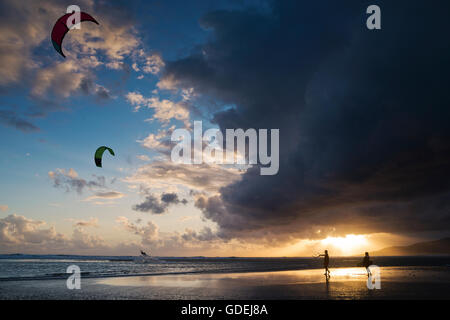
348, 245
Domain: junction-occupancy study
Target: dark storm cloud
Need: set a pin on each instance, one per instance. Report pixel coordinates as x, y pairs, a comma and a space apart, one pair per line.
363, 115
158, 206
11, 119
151, 204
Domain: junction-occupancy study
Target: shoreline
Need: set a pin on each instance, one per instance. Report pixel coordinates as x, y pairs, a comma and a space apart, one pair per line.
345, 283
56, 269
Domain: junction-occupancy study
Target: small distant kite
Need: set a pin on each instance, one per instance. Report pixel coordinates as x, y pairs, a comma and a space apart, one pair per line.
60, 29
99, 154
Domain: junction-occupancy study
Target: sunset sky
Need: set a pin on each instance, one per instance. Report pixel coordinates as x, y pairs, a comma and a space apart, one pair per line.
363, 118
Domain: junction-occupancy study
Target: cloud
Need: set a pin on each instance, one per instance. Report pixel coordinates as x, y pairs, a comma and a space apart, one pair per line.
21, 234
151, 204
16, 54
106, 195
185, 218
88, 87
160, 142
143, 157
92, 222
171, 198
116, 38
16, 229
60, 78
202, 178
168, 82
69, 77
3, 208
11, 119
205, 234
149, 233
157, 206
363, 143
15, 51
50, 82
82, 240
24, 235
70, 181
153, 64
165, 109
150, 63
177, 243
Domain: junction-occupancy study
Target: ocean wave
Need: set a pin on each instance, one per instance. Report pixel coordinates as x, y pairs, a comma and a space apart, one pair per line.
47, 267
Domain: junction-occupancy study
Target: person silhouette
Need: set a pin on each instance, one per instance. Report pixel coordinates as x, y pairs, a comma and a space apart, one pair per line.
326, 262
366, 263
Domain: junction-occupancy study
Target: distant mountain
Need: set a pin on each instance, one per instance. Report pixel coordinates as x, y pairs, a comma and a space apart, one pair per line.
421, 248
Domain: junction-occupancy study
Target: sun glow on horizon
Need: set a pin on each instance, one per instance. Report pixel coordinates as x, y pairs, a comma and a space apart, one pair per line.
348, 244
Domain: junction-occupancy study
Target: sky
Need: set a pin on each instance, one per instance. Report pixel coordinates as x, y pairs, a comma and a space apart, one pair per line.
362, 115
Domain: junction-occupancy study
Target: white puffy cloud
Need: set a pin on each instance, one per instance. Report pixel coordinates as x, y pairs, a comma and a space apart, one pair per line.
149, 233
82, 240
153, 64
160, 141
135, 67
62, 78
168, 82
164, 109
148, 62
202, 177
21, 234
136, 99
15, 229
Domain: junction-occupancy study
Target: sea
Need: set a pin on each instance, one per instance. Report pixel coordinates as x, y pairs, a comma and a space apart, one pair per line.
43, 267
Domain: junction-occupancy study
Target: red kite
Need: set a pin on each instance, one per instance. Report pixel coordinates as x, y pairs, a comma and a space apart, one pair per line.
60, 29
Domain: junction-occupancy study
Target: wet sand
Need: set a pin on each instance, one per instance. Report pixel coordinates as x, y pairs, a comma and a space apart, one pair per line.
345, 283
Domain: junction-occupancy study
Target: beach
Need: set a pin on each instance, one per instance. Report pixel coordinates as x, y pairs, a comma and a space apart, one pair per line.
345, 283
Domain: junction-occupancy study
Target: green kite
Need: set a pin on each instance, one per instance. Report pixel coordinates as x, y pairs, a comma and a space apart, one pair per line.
99, 154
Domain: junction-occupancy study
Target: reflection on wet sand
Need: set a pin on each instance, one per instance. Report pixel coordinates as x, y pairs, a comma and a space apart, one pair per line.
260, 278
345, 283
